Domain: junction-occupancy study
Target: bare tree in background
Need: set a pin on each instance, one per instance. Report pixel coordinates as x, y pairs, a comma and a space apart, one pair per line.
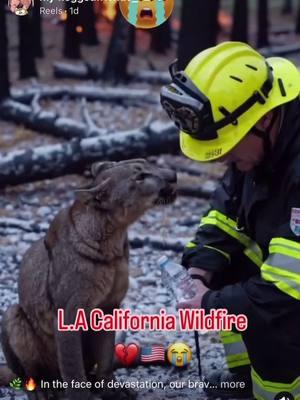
88, 23
38, 32
240, 21
71, 34
117, 57
4, 75
132, 38
263, 23
27, 49
199, 28
298, 18
161, 38
287, 7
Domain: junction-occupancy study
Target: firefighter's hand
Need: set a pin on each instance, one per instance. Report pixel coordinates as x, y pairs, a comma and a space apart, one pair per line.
196, 301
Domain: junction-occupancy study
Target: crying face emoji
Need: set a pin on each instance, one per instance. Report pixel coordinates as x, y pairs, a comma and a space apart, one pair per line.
179, 354
146, 14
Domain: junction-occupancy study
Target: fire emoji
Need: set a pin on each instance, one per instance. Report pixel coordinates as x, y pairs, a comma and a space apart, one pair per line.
30, 385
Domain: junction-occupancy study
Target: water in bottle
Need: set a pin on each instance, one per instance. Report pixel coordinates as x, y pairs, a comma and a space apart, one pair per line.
176, 278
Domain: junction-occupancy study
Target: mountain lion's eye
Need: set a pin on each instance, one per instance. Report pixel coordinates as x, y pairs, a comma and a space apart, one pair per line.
141, 177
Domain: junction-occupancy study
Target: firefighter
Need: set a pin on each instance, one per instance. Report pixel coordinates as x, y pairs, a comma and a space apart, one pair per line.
233, 105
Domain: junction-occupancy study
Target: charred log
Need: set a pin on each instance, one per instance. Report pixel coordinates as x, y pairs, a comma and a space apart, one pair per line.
51, 161
88, 71
281, 50
157, 242
37, 119
90, 93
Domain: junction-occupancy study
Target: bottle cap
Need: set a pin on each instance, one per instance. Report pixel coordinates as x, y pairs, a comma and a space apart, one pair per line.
162, 260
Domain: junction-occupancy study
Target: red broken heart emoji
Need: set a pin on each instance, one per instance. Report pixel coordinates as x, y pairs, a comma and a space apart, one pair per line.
127, 354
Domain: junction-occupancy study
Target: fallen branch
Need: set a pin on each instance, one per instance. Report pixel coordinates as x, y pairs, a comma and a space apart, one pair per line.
88, 71
27, 226
280, 50
157, 242
42, 121
90, 93
195, 191
46, 162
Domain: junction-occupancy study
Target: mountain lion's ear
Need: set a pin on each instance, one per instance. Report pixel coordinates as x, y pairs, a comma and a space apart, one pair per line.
98, 192
98, 167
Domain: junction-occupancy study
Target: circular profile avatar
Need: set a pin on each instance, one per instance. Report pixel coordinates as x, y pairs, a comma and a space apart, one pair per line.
20, 7
179, 354
146, 14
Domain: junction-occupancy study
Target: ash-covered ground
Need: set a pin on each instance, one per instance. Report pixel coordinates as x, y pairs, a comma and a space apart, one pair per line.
27, 210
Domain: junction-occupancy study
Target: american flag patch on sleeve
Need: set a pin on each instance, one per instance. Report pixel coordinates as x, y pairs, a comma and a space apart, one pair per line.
153, 353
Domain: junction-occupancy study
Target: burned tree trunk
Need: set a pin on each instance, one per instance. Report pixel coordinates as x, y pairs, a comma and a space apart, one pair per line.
263, 23
38, 32
240, 21
51, 161
4, 75
287, 7
115, 67
131, 40
161, 38
71, 34
298, 18
199, 28
27, 54
87, 19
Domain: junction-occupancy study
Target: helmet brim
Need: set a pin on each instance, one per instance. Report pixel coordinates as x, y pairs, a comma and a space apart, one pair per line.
230, 136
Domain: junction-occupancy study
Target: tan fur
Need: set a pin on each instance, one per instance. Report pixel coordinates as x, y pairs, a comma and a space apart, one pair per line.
82, 262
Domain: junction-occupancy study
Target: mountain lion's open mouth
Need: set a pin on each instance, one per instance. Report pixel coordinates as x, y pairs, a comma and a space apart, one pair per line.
146, 13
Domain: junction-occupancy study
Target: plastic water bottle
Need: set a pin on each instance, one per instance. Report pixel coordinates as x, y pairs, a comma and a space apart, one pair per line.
176, 278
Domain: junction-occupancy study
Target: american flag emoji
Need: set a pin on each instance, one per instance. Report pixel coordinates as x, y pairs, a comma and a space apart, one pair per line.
153, 353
